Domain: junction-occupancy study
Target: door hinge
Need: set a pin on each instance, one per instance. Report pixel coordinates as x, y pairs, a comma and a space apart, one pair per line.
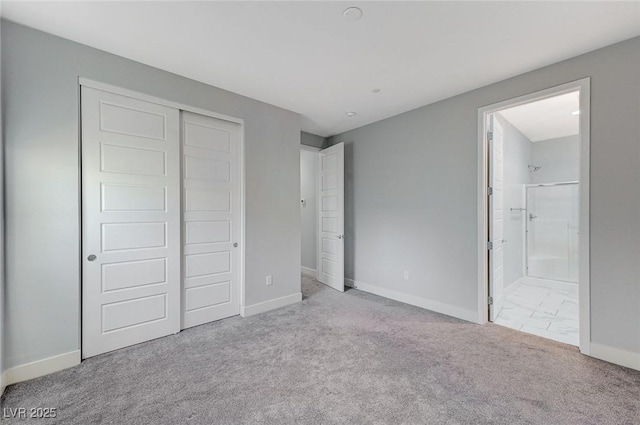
489, 191
490, 300
489, 245
490, 136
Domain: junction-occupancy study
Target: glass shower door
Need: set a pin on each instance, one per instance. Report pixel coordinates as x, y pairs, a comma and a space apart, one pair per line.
552, 231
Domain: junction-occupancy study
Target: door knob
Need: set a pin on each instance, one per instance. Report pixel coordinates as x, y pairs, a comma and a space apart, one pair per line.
235, 244
91, 257
340, 236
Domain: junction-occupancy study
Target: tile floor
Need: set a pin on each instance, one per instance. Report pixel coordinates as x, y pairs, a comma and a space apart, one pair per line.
545, 308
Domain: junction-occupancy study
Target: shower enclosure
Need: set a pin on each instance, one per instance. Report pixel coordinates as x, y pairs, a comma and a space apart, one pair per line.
552, 231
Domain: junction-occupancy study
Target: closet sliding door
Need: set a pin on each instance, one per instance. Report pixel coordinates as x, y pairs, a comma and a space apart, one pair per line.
130, 221
211, 219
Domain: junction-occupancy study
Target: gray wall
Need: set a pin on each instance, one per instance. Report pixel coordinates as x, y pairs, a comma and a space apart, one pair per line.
559, 158
41, 95
411, 195
2, 250
517, 156
312, 140
308, 191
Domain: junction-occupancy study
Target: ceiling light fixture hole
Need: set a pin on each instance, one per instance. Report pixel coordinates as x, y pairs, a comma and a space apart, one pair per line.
352, 14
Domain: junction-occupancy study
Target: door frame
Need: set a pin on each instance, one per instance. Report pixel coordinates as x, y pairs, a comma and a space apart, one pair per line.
181, 107
583, 86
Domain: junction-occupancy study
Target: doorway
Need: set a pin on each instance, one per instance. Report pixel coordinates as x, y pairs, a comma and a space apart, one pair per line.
309, 209
322, 214
533, 213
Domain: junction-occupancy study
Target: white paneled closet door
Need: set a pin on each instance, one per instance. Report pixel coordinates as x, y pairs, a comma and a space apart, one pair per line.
211, 219
130, 221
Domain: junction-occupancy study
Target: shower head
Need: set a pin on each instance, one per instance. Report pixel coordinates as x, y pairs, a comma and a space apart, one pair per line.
534, 168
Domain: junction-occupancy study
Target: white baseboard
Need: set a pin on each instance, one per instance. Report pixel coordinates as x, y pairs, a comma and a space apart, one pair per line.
3, 382
615, 355
309, 272
41, 367
508, 290
549, 283
263, 307
438, 307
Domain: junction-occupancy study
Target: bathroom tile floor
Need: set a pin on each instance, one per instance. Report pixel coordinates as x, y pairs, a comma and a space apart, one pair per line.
542, 307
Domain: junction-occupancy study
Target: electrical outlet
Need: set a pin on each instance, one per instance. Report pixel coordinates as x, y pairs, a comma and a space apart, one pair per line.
406, 275
269, 280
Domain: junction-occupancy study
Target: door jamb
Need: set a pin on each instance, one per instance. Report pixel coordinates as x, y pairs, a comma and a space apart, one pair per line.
583, 86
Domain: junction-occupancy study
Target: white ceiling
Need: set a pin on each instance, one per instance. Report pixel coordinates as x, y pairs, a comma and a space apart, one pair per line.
547, 118
303, 56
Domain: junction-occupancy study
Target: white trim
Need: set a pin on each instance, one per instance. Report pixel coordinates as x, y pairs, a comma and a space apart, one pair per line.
181, 107
309, 148
616, 355
584, 250
483, 220
308, 271
318, 178
438, 307
583, 86
41, 367
562, 285
243, 286
270, 305
148, 98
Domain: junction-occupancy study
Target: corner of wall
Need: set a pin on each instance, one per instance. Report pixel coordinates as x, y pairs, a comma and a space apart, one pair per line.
3, 378
263, 307
41, 367
313, 140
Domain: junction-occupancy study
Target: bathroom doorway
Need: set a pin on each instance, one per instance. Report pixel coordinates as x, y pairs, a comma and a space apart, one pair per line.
535, 208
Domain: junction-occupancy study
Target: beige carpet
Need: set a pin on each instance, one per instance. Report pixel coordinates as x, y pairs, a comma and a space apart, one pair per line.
335, 358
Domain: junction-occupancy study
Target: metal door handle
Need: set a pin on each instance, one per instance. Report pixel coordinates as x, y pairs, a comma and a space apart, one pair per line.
235, 244
340, 236
91, 257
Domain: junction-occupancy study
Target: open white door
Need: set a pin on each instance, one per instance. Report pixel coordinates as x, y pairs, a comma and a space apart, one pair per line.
496, 217
211, 228
130, 221
331, 217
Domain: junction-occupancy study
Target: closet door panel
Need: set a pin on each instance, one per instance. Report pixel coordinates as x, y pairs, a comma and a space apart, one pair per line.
130, 221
